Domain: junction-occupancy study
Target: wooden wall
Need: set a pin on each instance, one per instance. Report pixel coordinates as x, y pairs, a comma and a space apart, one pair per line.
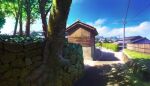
144, 48
81, 36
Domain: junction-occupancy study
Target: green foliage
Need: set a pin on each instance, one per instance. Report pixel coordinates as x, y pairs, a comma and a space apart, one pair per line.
2, 19
19, 39
110, 46
139, 67
97, 44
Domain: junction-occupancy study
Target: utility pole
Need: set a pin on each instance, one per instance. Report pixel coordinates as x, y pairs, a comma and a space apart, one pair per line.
124, 23
124, 26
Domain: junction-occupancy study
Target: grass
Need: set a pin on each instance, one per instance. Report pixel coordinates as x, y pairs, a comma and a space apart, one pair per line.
137, 55
140, 68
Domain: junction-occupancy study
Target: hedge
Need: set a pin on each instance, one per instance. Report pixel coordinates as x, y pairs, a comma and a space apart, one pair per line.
110, 46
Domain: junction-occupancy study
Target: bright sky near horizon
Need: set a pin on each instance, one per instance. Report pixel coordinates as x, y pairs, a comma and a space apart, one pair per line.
106, 16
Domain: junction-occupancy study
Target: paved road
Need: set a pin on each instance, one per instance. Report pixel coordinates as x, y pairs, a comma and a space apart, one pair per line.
96, 71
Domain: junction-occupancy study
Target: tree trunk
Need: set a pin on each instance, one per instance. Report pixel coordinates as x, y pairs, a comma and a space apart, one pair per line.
44, 25
42, 4
16, 24
57, 24
28, 17
56, 36
16, 18
20, 19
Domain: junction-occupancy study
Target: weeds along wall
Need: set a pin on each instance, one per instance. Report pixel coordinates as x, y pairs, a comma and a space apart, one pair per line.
23, 65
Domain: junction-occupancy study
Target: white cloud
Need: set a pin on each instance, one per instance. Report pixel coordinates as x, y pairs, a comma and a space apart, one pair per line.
100, 21
142, 29
76, 1
97, 23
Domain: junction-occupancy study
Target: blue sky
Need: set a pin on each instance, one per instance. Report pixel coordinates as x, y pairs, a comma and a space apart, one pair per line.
106, 16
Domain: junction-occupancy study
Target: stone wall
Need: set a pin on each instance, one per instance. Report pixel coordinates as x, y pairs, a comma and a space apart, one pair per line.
23, 65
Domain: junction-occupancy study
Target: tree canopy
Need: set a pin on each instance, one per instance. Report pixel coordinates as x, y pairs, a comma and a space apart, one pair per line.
26, 11
2, 19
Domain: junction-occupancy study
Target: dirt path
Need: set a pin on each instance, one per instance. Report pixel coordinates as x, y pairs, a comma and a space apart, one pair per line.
97, 72
104, 57
100, 76
103, 54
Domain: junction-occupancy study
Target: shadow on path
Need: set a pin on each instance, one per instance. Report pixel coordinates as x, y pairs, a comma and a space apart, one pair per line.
102, 76
101, 55
94, 76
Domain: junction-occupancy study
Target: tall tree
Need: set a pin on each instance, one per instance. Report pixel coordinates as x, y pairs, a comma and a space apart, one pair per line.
56, 35
44, 10
20, 18
31, 9
28, 12
17, 12
12, 8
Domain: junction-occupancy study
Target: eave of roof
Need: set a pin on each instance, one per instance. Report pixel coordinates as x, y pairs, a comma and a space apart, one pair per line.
82, 24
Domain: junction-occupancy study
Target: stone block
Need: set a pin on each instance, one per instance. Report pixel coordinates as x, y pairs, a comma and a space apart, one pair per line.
24, 72
33, 53
1, 45
32, 46
13, 47
28, 61
7, 58
4, 68
37, 58
19, 62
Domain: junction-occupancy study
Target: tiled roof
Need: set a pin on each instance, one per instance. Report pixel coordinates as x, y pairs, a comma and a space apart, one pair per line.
133, 38
142, 41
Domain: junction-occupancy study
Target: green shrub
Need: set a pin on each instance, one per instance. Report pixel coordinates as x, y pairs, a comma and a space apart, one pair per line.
98, 44
19, 39
140, 65
110, 46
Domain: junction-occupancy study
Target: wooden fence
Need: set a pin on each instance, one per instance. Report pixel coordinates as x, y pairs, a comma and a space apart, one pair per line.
144, 48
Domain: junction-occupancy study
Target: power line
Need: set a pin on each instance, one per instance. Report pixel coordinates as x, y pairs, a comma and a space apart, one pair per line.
124, 23
126, 14
141, 11
147, 6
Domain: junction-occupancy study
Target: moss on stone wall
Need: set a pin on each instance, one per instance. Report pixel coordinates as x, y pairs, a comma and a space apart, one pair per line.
23, 65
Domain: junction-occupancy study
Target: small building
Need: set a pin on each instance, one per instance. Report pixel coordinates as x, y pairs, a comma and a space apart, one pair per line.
133, 40
83, 34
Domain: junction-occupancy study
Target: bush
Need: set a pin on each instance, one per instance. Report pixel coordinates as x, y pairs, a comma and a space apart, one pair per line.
110, 46
19, 39
140, 65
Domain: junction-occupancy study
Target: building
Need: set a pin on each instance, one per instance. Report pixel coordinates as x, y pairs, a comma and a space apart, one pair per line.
83, 34
133, 40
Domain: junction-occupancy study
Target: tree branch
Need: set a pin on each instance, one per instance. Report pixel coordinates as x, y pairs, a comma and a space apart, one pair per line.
48, 10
